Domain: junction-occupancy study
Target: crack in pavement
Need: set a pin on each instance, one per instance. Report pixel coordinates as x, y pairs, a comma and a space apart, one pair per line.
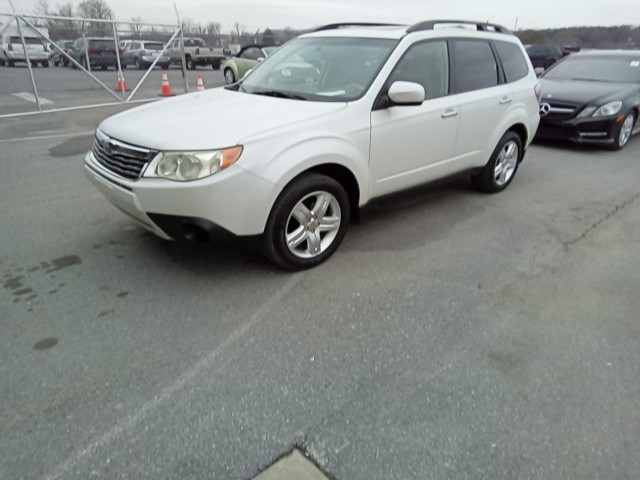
595, 225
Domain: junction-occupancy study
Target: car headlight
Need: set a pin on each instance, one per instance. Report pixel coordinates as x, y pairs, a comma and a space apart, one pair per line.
609, 109
187, 166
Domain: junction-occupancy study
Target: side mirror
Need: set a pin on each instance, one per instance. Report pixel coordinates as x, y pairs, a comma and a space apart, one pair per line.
539, 71
406, 93
248, 72
261, 59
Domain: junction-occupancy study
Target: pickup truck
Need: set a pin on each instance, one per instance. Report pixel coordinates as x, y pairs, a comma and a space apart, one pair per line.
196, 53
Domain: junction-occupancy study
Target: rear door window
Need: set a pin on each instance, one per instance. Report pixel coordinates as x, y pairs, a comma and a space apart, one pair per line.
513, 62
475, 65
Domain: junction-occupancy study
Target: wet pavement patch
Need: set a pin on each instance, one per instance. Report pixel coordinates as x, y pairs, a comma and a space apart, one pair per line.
72, 147
64, 262
46, 343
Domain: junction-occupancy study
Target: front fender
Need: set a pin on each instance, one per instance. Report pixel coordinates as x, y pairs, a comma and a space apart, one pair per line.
288, 163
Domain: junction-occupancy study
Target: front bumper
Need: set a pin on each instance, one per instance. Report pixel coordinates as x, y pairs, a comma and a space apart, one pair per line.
579, 130
230, 207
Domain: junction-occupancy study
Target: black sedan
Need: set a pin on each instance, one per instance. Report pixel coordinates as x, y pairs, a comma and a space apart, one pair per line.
592, 97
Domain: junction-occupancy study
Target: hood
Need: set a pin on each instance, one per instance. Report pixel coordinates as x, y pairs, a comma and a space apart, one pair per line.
215, 118
580, 92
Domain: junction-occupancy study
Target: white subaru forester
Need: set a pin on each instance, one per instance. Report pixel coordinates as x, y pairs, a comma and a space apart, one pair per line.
330, 121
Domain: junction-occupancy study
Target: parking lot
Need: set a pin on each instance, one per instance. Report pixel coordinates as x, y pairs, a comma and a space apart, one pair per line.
453, 335
63, 87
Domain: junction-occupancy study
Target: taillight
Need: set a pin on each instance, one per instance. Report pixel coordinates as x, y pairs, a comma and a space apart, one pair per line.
65, 50
142, 52
120, 51
197, 51
92, 50
538, 90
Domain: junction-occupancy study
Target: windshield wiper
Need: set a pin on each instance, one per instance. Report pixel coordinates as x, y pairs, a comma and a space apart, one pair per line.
279, 94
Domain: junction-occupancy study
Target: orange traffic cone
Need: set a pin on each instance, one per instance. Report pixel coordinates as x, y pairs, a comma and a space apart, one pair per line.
167, 91
200, 84
122, 83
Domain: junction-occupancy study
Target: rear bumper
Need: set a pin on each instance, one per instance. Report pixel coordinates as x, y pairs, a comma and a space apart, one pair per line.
34, 57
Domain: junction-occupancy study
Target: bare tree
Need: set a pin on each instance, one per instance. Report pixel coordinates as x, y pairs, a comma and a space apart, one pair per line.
98, 9
42, 8
136, 28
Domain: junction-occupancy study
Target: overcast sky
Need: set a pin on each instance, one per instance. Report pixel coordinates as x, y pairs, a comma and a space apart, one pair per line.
256, 14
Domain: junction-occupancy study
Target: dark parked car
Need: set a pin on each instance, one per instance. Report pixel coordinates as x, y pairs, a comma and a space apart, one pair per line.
57, 57
592, 97
101, 52
543, 56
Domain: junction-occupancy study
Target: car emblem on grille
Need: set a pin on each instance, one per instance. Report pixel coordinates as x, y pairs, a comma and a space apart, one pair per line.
545, 108
108, 147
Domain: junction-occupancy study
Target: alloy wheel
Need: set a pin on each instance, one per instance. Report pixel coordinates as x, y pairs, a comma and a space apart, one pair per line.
626, 130
506, 163
313, 224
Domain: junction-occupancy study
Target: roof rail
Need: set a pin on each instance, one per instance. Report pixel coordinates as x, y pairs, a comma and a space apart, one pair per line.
480, 26
334, 26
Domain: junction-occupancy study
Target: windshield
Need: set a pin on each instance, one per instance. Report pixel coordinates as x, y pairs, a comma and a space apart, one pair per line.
597, 69
153, 46
193, 42
104, 44
321, 69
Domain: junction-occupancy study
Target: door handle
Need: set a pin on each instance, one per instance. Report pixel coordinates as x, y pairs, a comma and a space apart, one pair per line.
505, 100
449, 113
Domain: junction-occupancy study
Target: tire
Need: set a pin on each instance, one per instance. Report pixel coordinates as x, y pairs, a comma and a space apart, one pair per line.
623, 132
503, 165
216, 65
104, 67
229, 77
189, 63
11, 63
164, 66
294, 215
45, 64
2, 63
56, 63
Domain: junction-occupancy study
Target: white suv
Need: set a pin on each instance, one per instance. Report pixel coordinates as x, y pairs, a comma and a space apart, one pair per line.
330, 121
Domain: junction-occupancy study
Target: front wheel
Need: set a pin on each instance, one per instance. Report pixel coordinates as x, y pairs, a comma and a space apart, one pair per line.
190, 64
499, 172
624, 131
307, 222
229, 78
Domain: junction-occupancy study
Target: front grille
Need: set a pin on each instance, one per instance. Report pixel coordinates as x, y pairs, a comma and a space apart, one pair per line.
561, 110
125, 160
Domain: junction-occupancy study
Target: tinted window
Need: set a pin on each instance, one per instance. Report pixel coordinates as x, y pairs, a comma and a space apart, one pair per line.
27, 40
153, 46
598, 69
105, 44
475, 65
513, 62
427, 64
252, 53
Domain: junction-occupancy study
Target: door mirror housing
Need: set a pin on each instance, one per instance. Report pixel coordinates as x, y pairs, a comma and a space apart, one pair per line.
261, 59
406, 93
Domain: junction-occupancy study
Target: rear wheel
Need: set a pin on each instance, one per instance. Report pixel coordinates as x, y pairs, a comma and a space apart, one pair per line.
216, 65
623, 132
228, 76
45, 64
190, 64
502, 166
2, 63
307, 222
11, 63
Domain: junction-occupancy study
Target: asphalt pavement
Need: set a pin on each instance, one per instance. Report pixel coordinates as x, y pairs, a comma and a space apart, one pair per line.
454, 335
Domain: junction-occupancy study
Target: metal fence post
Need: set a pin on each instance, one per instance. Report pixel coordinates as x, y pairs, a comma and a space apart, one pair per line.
26, 56
182, 54
120, 75
85, 45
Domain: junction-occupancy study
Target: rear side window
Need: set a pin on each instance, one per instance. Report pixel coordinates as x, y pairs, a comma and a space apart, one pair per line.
513, 62
475, 65
426, 63
27, 41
